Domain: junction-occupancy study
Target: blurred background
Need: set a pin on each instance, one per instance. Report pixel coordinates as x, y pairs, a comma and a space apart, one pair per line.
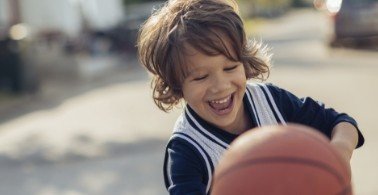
76, 113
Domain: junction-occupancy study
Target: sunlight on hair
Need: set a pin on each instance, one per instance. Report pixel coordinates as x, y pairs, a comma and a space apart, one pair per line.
264, 51
233, 4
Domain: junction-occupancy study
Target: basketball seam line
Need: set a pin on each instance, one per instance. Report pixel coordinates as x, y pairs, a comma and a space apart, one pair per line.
285, 160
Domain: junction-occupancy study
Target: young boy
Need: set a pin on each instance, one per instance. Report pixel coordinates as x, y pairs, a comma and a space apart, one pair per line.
197, 50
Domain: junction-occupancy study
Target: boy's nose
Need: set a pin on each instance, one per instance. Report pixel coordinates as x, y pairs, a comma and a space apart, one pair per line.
219, 84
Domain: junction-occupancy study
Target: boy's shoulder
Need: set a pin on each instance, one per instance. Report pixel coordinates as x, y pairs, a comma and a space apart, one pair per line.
182, 129
267, 85
190, 131
182, 124
265, 88
189, 126
280, 96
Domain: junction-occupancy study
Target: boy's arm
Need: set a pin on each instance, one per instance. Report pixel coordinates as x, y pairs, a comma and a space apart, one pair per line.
344, 139
183, 172
308, 111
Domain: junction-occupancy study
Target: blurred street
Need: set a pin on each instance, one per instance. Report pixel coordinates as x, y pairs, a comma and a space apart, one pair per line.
108, 137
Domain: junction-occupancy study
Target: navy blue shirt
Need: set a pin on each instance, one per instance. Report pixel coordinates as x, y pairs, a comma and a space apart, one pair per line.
196, 146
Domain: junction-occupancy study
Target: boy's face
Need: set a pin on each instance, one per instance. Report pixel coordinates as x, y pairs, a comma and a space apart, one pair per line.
215, 88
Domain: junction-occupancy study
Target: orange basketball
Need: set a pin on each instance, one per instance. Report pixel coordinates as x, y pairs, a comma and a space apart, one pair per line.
282, 160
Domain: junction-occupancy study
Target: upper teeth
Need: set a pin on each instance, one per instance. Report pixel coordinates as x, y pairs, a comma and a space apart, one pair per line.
220, 101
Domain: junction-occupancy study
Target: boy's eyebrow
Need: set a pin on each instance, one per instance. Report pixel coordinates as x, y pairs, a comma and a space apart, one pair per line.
193, 68
191, 71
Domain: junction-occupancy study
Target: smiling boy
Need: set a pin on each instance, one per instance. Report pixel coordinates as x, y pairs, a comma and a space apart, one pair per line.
214, 88
197, 51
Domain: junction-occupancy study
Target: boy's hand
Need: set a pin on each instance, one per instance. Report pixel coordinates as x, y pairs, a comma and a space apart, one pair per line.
344, 140
344, 151
346, 155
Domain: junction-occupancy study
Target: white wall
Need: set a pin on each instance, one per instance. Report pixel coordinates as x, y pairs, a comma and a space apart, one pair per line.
65, 14
50, 14
103, 14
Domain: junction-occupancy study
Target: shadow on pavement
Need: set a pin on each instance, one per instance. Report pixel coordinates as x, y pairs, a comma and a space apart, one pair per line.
122, 168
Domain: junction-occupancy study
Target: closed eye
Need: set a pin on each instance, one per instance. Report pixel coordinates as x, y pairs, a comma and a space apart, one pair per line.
200, 78
230, 68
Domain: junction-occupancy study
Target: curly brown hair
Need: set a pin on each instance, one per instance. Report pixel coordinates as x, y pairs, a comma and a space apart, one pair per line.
201, 24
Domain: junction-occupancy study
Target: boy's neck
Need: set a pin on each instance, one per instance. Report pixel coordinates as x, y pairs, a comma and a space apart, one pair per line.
244, 123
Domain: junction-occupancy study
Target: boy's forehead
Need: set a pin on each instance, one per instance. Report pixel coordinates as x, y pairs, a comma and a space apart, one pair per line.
196, 53
196, 61
194, 57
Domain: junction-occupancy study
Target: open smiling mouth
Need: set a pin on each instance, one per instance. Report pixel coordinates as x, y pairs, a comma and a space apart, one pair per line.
222, 106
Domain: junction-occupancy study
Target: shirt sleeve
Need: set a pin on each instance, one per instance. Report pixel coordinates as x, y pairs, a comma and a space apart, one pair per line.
183, 172
308, 111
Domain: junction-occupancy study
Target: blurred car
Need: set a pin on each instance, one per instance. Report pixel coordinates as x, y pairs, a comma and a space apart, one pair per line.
355, 22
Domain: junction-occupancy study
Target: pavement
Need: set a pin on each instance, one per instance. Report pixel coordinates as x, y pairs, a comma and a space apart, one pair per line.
106, 136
